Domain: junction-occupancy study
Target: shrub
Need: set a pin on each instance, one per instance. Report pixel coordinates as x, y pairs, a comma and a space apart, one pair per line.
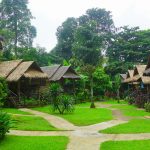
130, 100
4, 124
55, 90
45, 96
147, 106
3, 91
140, 101
63, 103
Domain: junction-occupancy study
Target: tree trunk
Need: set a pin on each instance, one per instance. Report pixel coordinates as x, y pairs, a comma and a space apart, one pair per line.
16, 36
92, 101
118, 97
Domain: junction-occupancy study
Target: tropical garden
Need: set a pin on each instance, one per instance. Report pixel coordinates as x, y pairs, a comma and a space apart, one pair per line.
93, 115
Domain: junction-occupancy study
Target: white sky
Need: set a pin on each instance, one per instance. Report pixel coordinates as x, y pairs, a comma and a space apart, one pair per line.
49, 14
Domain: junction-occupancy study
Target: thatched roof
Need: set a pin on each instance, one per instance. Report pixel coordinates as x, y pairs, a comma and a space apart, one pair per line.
136, 74
145, 79
57, 72
147, 70
7, 67
139, 70
123, 76
50, 70
16, 69
129, 76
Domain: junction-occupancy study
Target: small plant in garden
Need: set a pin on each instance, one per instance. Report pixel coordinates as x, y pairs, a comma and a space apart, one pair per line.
130, 100
55, 90
147, 106
63, 103
60, 102
3, 91
5, 123
4, 117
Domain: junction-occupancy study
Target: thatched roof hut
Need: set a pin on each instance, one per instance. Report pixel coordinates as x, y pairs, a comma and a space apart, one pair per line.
129, 76
147, 70
58, 72
23, 77
14, 70
138, 72
123, 77
144, 80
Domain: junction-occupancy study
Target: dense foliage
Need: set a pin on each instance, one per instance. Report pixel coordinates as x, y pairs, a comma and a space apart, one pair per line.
4, 124
3, 91
16, 19
128, 46
60, 101
147, 106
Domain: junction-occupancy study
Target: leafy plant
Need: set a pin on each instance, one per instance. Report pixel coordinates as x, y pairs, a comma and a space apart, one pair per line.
3, 91
5, 123
55, 90
63, 103
147, 106
130, 100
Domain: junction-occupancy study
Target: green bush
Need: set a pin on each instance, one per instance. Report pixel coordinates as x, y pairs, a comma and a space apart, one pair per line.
147, 106
63, 103
3, 91
55, 90
130, 100
5, 123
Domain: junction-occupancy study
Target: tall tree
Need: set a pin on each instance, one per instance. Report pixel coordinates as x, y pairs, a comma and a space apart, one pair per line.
65, 37
16, 17
128, 47
88, 34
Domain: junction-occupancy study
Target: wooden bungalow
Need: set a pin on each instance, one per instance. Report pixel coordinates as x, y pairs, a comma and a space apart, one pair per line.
147, 69
24, 78
138, 73
61, 74
145, 79
129, 76
123, 77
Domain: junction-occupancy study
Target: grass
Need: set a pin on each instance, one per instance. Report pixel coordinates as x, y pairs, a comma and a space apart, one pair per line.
83, 116
31, 123
133, 126
34, 143
131, 110
126, 145
86, 104
112, 101
15, 111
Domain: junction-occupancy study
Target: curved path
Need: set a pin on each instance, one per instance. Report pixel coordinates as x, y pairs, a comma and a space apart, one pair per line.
82, 138
57, 122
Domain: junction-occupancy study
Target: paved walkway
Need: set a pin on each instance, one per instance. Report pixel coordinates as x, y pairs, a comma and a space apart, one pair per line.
82, 138
57, 122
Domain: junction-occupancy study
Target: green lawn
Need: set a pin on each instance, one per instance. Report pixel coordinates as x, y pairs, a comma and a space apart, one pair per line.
34, 143
133, 126
86, 104
15, 111
83, 116
126, 145
131, 110
112, 101
31, 123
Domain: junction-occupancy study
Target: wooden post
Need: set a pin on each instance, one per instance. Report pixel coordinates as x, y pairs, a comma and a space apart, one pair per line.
18, 90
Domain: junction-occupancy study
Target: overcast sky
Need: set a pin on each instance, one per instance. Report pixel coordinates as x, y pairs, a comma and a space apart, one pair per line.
49, 14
